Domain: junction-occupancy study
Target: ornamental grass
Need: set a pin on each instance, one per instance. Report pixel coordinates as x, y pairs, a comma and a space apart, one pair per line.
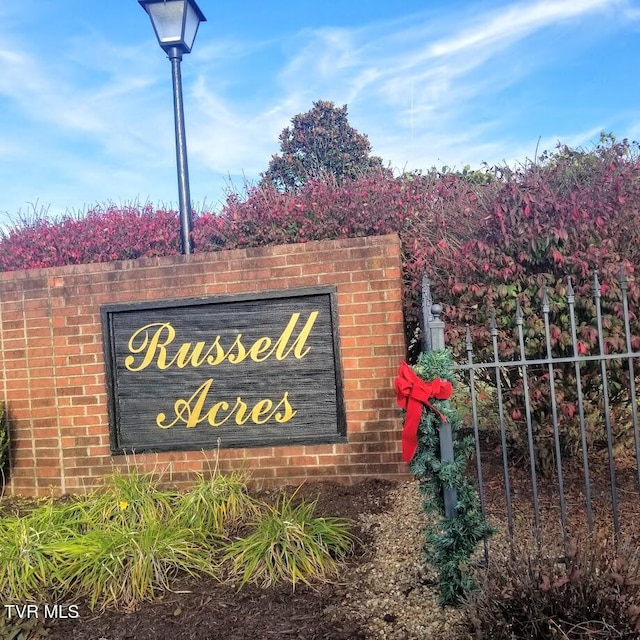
123, 565
217, 505
126, 542
130, 499
290, 544
28, 569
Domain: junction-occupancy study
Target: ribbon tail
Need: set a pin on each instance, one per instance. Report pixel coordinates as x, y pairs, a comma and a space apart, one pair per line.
409, 442
410, 431
412, 394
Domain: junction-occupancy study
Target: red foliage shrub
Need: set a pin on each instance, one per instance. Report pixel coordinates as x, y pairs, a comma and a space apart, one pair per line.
321, 210
101, 235
485, 239
569, 216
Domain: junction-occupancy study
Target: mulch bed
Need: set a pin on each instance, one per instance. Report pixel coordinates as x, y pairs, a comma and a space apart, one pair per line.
207, 610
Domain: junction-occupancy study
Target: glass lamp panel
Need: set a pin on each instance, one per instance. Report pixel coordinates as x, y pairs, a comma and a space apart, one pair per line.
192, 21
167, 18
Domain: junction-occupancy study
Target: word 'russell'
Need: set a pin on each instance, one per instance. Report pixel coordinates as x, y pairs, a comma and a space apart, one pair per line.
150, 343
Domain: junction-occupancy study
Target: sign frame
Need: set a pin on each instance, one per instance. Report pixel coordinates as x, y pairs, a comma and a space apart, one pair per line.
109, 312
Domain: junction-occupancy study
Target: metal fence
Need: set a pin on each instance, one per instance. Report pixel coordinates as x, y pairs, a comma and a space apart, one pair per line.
494, 371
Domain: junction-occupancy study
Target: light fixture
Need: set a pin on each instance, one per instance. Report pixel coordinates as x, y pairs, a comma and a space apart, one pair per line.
176, 23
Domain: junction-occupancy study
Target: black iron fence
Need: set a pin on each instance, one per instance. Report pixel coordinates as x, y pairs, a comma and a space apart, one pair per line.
496, 372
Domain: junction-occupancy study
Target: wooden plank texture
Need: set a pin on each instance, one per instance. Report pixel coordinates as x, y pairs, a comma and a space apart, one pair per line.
229, 371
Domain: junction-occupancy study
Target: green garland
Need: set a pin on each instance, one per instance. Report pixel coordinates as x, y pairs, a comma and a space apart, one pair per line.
450, 543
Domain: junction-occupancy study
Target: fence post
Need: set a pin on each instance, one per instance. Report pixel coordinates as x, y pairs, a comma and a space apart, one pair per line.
436, 331
426, 317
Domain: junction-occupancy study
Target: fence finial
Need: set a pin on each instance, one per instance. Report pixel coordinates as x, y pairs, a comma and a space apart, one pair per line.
519, 316
622, 278
468, 342
596, 285
436, 328
571, 296
545, 301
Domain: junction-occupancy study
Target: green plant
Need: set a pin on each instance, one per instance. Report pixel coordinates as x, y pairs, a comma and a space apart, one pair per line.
486, 239
121, 565
450, 542
130, 499
217, 505
289, 543
28, 571
568, 215
593, 592
320, 145
116, 546
126, 542
137, 536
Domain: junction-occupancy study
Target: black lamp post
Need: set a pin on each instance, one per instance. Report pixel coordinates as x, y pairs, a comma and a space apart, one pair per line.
176, 24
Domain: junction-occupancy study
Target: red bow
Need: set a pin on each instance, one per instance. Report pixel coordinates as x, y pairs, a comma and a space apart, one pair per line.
411, 394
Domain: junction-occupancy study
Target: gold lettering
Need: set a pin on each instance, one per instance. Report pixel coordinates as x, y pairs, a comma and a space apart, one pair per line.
260, 345
288, 413
148, 346
242, 352
262, 407
190, 412
298, 346
213, 413
304, 334
183, 410
241, 415
150, 342
187, 356
220, 354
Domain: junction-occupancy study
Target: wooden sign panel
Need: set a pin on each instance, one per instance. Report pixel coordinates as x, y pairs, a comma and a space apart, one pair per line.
241, 371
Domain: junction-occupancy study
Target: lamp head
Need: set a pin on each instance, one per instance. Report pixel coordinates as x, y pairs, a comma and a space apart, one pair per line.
175, 22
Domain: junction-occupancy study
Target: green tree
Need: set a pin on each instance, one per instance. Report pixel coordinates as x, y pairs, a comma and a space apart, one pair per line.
320, 143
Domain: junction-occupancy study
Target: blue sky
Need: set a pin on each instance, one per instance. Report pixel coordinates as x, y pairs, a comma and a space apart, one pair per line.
87, 114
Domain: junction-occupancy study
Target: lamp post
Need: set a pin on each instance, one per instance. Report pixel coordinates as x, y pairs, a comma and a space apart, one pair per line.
176, 23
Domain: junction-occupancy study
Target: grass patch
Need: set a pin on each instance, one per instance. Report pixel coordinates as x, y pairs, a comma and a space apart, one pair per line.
290, 544
128, 500
128, 541
218, 505
123, 565
28, 570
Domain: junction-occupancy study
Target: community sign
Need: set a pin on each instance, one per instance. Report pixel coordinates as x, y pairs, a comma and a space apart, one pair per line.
230, 371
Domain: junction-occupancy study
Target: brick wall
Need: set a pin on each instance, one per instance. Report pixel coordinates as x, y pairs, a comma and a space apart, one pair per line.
53, 372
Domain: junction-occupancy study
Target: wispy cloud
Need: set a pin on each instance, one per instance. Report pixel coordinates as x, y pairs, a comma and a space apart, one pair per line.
417, 86
506, 24
441, 86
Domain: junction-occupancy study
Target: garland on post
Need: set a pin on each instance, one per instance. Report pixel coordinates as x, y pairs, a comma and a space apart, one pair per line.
450, 542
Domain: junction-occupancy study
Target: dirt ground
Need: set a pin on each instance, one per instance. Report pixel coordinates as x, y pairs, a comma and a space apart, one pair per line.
207, 610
